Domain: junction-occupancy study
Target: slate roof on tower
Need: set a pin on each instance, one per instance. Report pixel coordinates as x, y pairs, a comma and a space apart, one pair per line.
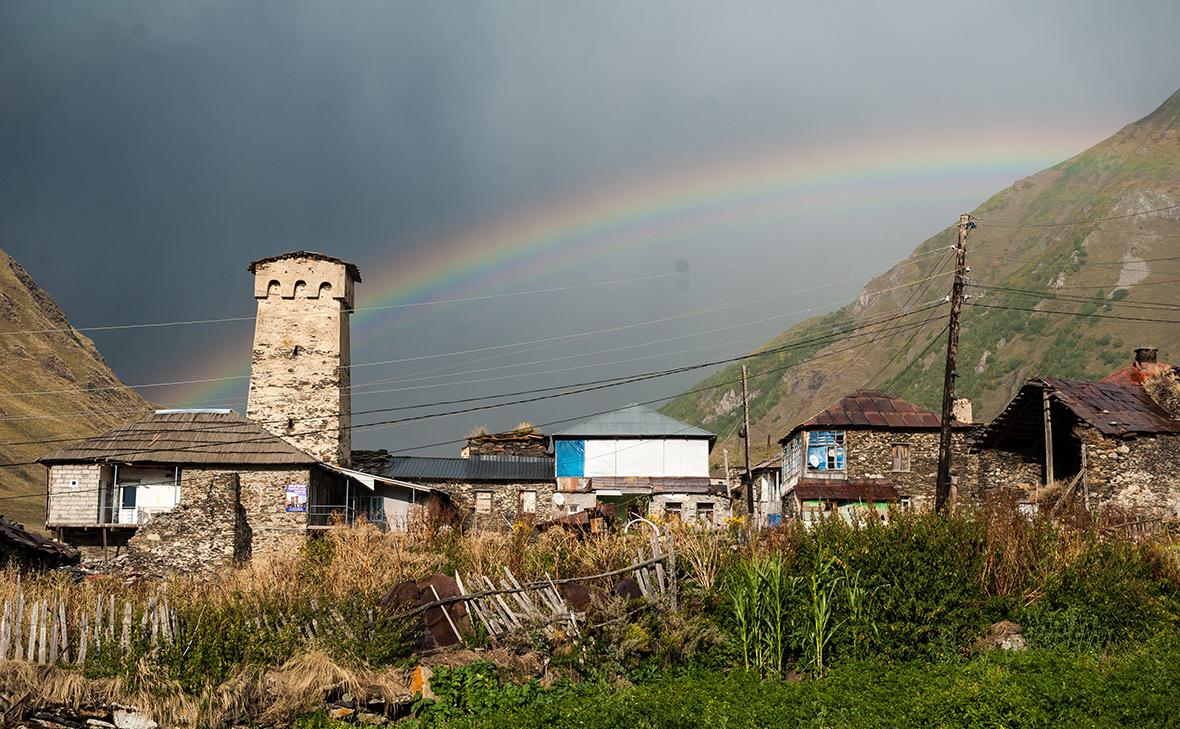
633, 421
873, 409
180, 437
353, 272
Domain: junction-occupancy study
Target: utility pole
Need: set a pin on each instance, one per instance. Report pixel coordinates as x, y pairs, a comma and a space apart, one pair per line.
746, 442
942, 490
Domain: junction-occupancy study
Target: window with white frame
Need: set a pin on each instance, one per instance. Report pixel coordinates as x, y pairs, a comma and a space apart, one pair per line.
792, 458
483, 502
825, 450
528, 502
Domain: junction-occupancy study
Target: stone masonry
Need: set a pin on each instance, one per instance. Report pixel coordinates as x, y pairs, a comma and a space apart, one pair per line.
507, 502
300, 370
869, 454
1137, 474
207, 530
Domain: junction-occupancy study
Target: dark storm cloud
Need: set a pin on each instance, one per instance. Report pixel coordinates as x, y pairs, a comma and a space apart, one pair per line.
149, 150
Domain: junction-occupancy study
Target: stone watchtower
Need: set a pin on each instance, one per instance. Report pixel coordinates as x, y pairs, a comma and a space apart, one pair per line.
300, 371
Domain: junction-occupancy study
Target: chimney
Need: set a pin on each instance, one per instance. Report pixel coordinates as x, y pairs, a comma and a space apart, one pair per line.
1145, 355
961, 410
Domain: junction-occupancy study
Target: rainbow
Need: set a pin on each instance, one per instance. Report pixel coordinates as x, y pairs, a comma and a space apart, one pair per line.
772, 184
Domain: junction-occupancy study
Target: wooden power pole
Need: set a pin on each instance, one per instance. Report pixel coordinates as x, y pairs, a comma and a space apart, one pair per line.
942, 490
746, 443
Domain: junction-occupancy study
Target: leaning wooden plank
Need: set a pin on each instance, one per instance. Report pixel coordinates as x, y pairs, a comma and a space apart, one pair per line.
498, 597
447, 614
475, 607
569, 610
111, 616
533, 586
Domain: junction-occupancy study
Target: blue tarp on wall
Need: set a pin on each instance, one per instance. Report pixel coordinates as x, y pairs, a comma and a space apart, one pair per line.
571, 458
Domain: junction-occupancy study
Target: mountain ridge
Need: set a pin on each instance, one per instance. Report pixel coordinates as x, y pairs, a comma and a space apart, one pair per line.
1072, 238
55, 387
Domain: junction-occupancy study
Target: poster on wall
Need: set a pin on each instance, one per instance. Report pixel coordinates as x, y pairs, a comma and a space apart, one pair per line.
297, 497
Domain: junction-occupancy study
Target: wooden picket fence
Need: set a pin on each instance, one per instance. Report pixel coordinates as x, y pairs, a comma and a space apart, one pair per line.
47, 631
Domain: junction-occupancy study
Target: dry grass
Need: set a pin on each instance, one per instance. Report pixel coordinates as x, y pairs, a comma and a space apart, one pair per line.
1164, 388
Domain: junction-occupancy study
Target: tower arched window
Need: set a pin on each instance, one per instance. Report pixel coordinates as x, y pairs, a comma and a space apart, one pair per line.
325, 288
300, 288
272, 288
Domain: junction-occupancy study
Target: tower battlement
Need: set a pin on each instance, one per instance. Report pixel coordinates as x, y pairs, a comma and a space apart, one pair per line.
300, 369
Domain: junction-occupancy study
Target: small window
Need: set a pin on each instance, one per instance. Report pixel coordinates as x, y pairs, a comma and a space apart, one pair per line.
672, 510
792, 458
483, 502
129, 494
825, 450
705, 511
901, 456
528, 502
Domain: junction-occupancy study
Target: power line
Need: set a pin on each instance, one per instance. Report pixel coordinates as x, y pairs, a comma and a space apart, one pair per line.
703, 388
556, 338
1152, 305
620, 380
986, 222
1074, 313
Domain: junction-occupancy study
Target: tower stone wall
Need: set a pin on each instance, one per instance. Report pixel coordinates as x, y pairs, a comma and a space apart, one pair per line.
300, 370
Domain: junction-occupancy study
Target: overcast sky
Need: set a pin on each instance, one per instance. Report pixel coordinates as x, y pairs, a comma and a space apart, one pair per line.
150, 150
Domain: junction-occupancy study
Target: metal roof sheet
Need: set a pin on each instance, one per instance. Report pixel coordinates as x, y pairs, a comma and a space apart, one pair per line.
633, 421
1113, 408
21, 538
874, 409
476, 468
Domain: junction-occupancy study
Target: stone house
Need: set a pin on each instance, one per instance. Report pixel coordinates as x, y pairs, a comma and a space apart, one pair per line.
261, 489
1108, 442
280, 473
491, 492
864, 453
643, 462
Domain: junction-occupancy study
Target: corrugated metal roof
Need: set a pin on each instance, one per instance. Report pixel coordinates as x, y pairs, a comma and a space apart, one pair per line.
1114, 409
476, 468
633, 421
198, 437
868, 489
873, 409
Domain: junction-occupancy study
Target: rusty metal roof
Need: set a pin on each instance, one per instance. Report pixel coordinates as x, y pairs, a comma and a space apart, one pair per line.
1114, 409
873, 409
866, 489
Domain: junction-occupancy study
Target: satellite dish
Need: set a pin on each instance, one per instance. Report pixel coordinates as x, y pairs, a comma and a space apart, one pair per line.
813, 460
559, 499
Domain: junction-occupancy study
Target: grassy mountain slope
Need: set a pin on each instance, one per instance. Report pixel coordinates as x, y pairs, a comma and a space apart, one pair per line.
58, 373
1038, 235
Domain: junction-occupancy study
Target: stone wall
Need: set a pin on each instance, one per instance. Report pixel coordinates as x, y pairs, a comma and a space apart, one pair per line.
299, 373
1138, 474
506, 502
691, 510
207, 530
263, 499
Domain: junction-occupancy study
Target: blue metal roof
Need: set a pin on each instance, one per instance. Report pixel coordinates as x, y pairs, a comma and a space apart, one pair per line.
633, 421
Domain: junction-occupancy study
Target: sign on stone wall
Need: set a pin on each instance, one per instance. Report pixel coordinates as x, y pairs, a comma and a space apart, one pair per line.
297, 497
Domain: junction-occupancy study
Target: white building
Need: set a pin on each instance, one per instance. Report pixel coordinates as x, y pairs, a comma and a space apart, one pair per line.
641, 461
